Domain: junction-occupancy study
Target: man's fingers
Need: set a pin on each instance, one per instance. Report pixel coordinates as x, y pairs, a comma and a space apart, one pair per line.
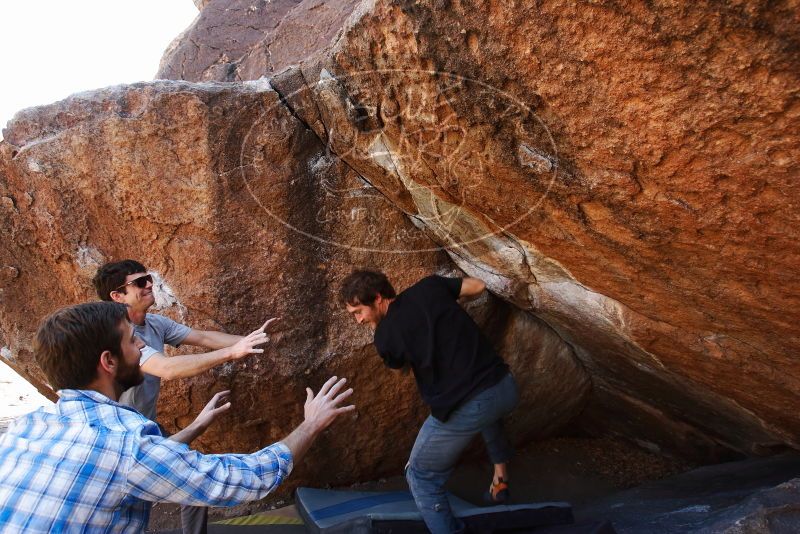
342, 396
345, 409
256, 337
219, 409
309, 395
266, 324
336, 387
218, 396
327, 386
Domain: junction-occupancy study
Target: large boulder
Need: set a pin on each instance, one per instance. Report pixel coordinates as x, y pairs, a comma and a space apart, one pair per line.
241, 212
626, 175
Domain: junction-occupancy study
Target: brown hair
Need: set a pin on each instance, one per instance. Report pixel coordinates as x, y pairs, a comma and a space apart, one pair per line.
69, 342
111, 276
363, 287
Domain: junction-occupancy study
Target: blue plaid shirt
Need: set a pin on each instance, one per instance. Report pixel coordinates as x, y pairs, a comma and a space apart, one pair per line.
89, 464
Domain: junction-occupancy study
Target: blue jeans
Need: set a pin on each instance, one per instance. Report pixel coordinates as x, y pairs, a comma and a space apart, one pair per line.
439, 445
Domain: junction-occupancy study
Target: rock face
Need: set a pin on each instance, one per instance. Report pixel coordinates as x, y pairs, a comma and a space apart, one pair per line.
628, 176
242, 213
244, 40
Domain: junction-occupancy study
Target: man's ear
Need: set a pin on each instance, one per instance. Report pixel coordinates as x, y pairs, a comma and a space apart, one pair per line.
378, 299
107, 363
117, 296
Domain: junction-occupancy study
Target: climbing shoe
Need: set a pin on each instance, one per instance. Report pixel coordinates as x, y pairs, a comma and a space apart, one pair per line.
497, 493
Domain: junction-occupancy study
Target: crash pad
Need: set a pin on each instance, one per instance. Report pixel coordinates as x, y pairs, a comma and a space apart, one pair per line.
335, 511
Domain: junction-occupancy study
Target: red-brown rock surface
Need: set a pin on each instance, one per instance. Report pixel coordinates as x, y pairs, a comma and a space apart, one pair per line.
244, 39
636, 171
242, 213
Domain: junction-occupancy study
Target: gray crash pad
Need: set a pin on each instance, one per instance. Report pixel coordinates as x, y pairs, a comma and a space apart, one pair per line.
333, 512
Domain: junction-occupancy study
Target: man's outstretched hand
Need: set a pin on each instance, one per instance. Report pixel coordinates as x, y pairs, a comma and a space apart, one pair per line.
321, 409
247, 345
217, 405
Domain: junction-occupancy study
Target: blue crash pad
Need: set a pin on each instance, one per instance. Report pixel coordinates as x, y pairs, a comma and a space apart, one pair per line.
332, 512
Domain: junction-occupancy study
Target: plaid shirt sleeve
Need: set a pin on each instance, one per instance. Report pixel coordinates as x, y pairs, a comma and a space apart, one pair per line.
164, 470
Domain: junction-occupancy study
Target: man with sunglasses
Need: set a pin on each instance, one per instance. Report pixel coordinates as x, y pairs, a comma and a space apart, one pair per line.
129, 283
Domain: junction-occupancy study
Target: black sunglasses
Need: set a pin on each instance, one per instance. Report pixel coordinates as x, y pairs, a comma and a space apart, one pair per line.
139, 282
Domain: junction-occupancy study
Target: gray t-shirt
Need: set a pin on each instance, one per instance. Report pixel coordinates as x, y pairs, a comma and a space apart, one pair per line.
156, 332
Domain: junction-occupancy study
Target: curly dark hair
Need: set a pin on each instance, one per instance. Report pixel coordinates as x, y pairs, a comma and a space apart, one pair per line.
363, 287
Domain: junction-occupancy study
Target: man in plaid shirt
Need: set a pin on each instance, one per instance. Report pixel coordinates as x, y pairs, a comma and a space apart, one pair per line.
90, 464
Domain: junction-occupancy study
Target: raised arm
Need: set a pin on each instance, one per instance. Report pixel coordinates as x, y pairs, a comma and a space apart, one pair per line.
214, 340
210, 339
193, 364
161, 470
471, 287
320, 410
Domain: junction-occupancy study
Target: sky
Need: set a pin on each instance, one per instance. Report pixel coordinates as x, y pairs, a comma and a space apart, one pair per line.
17, 396
54, 48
